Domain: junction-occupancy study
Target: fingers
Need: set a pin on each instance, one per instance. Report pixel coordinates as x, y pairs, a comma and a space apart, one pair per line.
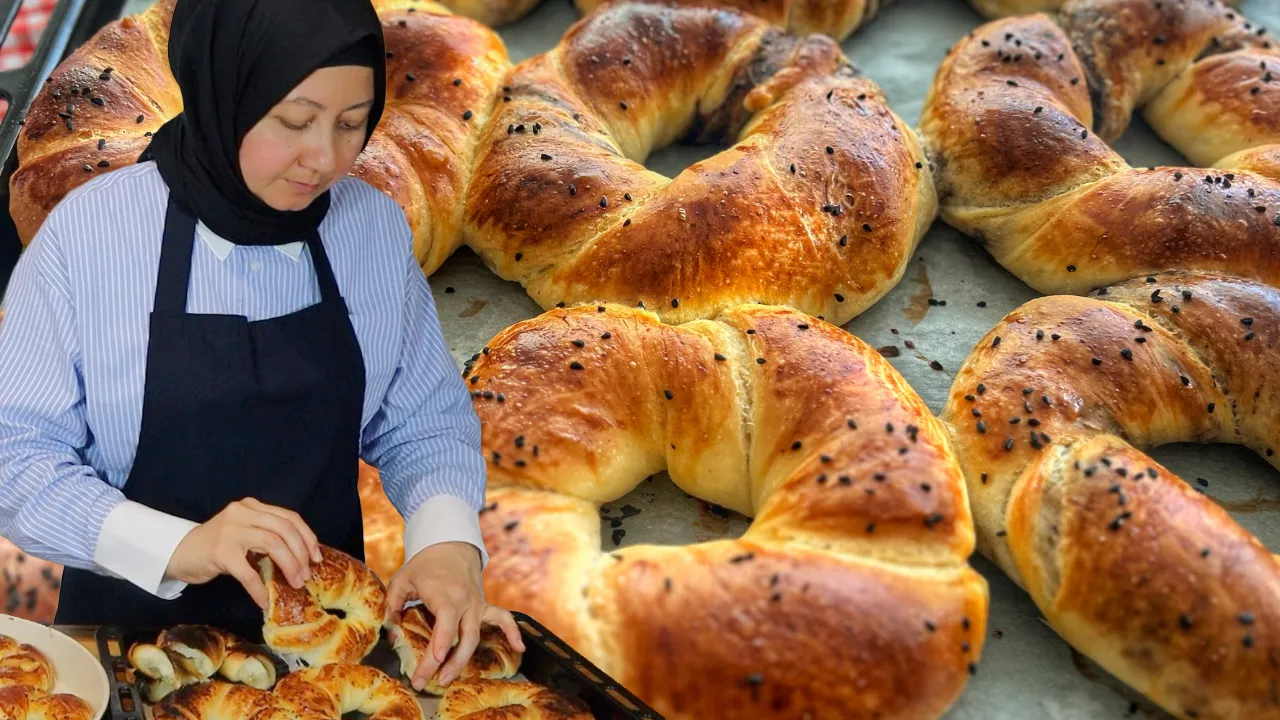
286, 530
504, 620
399, 592
240, 569
275, 548
466, 645
443, 633
309, 539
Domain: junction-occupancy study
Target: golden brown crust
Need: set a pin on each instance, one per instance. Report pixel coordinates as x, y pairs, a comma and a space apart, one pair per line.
1156, 583
492, 658
782, 416
419, 156
21, 664
1011, 119
335, 690
23, 702
213, 701
1109, 548
560, 203
837, 18
295, 623
481, 699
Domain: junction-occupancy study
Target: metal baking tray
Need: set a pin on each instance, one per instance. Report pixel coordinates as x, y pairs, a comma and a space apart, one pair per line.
547, 661
934, 314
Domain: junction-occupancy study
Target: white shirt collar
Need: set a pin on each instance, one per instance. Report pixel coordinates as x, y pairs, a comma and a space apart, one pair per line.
222, 247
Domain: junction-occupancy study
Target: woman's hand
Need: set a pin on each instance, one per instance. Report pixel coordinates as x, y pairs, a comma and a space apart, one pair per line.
220, 546
446, 578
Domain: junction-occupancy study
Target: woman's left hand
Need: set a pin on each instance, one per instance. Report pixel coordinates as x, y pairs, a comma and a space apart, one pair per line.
446, 578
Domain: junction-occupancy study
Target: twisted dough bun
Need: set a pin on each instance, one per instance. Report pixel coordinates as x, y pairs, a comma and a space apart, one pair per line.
298, 628
186, 654
1017, 121
23, 702
493, 657
21, 664
848, 597
818, 206
216, 700
323, 693
1136, 570
334, 690
482, 699
419, 155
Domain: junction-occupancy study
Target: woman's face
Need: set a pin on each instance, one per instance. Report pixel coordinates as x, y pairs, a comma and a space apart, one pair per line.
310, 140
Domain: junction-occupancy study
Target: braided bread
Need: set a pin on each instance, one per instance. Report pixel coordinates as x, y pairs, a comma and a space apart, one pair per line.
186, 654
1148, 578
493, 657
482, 699
1020, 112
419, 154
849, 596
23, 702
297, 623
818, 206
21, 664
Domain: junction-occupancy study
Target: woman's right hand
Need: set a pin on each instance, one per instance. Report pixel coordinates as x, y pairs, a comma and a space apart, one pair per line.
221, 545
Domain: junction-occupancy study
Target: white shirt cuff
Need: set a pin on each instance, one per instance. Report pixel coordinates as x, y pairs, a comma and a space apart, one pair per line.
136, 543
443, 518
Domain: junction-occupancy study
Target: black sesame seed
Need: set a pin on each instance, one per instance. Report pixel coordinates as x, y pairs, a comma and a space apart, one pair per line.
604, 201
852, 425
1008, 444
1071, 268
983, 478
466, 115
1185, 622
407, 76
795, 445
1211, 406
996, 342
1246, 618
830, 150
1247, 336
1039, 334
982, 427
759, 361
719, 357
1127, 354
545, 156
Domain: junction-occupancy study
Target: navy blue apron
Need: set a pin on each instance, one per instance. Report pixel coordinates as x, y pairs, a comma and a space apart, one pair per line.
269, 409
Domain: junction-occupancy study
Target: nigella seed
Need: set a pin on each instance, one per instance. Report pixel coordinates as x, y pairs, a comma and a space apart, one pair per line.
606, 335
104, 163
996, 342
1097, 361
982, 427
1127, 354
545, 156
981, 388
759, 361
604, 201
983, 478
932, 520
830, 150
1211, 406
719, 357
1039, 334
579, 343
796, 445
408, 76
852, 425
669, 395
626, 196
622, 105
1185, 622
1247, 336
793, 168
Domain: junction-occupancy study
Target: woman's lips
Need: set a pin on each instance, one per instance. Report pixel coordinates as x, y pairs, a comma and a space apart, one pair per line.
302, 188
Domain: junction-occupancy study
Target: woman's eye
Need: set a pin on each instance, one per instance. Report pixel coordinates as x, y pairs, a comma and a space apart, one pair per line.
294, 126
356, 125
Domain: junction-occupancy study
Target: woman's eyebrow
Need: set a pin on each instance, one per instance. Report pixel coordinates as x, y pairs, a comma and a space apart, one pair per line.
320, 106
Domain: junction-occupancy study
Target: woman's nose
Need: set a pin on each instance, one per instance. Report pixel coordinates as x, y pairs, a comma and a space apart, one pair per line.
320, 153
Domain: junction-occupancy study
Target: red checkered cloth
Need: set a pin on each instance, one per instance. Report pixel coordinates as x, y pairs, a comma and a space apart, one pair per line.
27, 28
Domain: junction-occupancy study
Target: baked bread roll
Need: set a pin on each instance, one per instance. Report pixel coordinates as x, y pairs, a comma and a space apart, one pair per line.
858, 505
23, 702
1020, 113
1151, 580
493, 657
419, 155
187, 654
214, 700
21, 664
818, 206
484, 699
333, 691
837, 18
297, 624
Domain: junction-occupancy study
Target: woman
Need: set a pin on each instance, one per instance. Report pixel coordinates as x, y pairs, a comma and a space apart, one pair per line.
198, 349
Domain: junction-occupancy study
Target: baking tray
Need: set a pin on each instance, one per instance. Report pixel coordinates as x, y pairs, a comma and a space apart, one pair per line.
1027, 671
547, 661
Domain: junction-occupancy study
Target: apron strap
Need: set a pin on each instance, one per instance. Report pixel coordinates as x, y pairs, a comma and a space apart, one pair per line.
174, 274
324, 271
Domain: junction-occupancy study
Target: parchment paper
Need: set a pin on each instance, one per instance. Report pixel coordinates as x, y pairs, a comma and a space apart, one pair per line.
1027, 671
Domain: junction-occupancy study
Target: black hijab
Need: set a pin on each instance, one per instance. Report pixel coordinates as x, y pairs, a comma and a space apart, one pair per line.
234, 60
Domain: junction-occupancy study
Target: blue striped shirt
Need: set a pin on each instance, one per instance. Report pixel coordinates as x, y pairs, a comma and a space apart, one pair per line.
73, 357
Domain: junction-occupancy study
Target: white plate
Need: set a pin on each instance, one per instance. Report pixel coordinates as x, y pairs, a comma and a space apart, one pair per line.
76, 670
